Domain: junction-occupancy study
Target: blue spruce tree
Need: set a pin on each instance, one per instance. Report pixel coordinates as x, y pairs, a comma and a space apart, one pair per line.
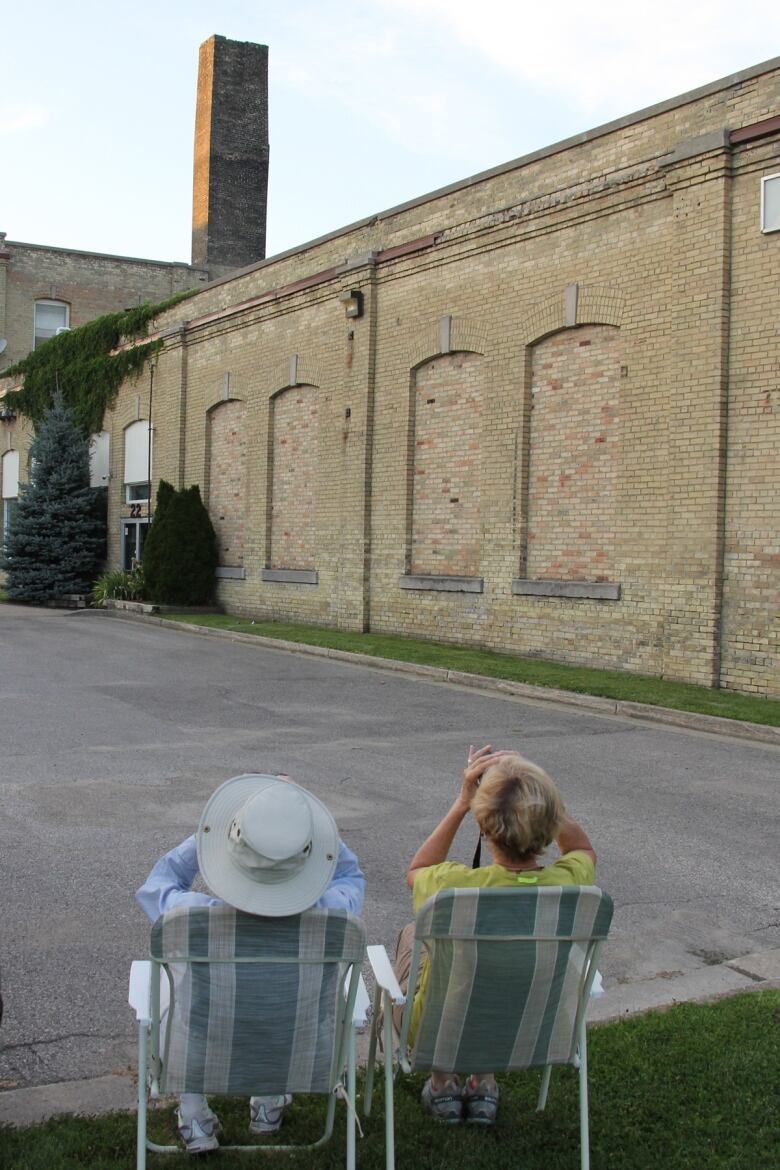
56, 536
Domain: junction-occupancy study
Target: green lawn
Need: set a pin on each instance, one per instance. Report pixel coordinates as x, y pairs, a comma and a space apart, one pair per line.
612, 684
694, 1088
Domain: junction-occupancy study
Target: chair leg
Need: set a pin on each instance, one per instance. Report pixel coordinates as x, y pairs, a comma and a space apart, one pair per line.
351, 1085
545, 1085
584, 1124
141, 1136
389, 1109
368, 1089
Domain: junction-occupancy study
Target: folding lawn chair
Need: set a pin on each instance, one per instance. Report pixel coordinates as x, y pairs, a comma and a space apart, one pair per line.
510, 972
257, 1006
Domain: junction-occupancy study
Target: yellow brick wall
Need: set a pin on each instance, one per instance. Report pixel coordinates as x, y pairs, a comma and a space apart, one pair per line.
294, 458
447, 427
573, 455
226, 490
751, 604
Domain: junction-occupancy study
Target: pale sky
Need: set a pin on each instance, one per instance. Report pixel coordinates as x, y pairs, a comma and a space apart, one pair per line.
372, 102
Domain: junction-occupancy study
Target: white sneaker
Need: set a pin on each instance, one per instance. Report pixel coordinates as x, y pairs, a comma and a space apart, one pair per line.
266, 1113
199, 1133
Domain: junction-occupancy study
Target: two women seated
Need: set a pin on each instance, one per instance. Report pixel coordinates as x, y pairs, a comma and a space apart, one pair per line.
268, 847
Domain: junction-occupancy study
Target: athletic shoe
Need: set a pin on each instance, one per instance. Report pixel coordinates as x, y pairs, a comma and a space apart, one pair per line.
480, 1102
266, 1113
199, 1133
446, 1105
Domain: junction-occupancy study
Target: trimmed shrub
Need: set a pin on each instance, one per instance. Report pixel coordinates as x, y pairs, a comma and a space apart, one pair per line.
180, 552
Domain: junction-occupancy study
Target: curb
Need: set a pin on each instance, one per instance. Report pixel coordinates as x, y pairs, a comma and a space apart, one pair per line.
759, 971
118, 1091
645, 712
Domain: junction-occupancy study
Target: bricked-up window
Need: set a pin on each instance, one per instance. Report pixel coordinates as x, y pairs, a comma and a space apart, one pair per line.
448, 397
49, 317
573, 455
770, 203
227, 480
295, 440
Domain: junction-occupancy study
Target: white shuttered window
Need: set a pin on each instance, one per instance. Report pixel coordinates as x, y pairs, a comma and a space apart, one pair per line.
10, 475
137, 462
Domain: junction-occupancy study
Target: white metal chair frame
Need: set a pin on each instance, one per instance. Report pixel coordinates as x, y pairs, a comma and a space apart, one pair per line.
389, 993
149, 997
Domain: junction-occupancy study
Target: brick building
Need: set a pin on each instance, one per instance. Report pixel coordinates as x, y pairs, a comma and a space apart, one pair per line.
536, 411
43, 289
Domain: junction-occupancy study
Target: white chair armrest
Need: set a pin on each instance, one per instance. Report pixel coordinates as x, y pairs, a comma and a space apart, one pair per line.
384, 973
139, 992
362, 1006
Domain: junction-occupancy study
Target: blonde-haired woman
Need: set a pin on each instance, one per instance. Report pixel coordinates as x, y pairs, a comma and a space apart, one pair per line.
519, 812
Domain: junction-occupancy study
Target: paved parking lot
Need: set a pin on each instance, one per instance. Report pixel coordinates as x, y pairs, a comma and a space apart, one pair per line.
114, 733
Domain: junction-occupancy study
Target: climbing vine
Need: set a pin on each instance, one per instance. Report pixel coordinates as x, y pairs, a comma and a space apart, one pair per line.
80, 363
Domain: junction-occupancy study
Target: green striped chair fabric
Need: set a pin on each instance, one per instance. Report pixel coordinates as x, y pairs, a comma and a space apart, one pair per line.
508, 969
257, 1004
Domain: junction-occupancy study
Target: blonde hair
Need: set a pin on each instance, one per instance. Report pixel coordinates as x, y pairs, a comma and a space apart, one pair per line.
518, 807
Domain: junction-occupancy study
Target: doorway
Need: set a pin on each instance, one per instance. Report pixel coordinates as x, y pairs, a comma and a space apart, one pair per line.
133, 537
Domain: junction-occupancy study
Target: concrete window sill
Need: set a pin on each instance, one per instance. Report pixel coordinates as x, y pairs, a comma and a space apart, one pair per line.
231, 572
291, 576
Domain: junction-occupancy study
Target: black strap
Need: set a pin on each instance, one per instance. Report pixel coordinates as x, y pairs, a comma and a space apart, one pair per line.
477, 854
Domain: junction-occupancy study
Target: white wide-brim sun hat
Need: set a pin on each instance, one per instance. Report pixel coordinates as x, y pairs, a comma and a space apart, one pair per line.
266, 846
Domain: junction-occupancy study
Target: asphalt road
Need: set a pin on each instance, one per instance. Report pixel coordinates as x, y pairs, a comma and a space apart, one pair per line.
114, 734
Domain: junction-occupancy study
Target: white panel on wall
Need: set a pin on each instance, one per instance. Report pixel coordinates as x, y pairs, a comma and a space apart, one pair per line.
137, 468
98, 460
10, 475
770, 203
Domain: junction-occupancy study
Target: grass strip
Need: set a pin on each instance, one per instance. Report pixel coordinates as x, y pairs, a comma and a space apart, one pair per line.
611, 684
694, 1088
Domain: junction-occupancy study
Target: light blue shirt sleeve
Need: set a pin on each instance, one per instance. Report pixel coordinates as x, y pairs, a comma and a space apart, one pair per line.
347, 889
169, 885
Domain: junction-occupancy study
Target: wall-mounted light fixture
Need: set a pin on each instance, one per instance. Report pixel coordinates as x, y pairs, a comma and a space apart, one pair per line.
352, 300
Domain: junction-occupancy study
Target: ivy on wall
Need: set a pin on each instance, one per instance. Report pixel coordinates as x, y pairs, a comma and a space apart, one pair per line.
80, 363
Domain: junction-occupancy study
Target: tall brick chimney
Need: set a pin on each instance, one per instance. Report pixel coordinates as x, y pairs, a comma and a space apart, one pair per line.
230, 175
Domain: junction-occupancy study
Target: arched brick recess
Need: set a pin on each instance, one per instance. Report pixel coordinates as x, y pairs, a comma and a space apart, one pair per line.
227, 479
293, 450
573, 453
447, 404
547, 318
577, 304
464, 334
297, 370
599, 305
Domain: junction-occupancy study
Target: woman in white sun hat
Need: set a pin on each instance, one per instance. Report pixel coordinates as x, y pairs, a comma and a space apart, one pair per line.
268, 847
